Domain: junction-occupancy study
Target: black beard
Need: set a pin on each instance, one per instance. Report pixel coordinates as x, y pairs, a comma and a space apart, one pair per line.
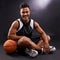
24, 22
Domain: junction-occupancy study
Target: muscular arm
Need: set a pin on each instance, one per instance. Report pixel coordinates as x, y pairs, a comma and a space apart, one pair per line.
41, 31
13, 30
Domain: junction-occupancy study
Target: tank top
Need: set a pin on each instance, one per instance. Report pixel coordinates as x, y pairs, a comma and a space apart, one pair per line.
25, 29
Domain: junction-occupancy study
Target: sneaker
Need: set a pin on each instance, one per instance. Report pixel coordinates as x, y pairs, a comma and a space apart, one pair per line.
52, 49
31, 52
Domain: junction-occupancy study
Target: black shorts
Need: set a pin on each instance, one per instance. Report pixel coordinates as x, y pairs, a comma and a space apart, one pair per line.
35, 40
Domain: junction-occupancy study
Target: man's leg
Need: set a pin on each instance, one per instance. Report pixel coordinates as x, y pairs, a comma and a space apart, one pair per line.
43, 45
26, 42
41, 42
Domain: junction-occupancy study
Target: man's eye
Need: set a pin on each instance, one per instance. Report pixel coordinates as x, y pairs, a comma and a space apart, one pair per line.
23, 12
26, 11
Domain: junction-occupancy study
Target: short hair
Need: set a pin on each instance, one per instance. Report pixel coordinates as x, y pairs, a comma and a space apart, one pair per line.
24, 5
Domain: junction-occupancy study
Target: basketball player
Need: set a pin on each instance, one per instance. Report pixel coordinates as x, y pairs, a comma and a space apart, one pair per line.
21, 32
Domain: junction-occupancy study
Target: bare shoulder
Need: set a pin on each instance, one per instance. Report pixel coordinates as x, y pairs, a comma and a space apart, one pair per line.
36, 24
14, 24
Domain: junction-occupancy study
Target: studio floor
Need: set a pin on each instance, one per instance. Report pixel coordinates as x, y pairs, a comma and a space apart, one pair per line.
16, 56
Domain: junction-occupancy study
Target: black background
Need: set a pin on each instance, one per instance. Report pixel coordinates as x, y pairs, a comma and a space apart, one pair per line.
49, 18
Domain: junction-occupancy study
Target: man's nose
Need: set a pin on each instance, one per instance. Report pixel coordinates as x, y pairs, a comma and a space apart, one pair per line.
25, 13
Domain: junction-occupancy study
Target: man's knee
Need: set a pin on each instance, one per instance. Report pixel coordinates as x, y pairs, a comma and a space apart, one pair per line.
23, 40
48, 38
24, 43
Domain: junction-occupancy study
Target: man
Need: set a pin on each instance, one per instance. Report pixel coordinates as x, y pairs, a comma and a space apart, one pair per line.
21, 31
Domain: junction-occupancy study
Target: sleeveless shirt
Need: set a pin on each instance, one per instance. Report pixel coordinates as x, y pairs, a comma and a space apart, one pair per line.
25, 29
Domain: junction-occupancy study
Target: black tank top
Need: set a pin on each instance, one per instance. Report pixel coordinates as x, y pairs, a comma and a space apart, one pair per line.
25, 29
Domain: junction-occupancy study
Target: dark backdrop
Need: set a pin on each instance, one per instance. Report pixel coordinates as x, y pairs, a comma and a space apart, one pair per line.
49, 18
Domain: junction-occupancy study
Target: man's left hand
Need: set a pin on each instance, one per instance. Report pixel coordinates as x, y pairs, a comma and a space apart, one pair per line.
46, 47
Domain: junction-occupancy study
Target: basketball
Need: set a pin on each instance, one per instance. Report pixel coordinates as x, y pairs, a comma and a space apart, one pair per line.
10, 46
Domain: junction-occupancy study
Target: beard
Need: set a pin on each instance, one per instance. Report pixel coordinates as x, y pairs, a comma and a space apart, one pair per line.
25, 19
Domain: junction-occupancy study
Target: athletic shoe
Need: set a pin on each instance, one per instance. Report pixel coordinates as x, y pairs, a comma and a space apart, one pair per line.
52, 49
31, 52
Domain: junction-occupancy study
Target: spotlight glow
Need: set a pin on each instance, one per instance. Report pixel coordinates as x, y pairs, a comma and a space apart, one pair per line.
40, 4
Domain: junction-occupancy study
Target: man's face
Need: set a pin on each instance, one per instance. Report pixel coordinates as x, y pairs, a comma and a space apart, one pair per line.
25, 14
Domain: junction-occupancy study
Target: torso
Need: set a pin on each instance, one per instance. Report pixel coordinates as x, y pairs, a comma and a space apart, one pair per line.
25, 30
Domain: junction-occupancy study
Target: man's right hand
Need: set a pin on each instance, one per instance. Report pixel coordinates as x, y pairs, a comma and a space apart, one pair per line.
46, 48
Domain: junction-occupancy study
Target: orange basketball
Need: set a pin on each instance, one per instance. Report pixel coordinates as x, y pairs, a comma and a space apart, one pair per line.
10, 46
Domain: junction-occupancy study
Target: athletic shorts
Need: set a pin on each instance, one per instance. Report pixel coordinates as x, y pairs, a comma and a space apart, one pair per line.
35, 40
